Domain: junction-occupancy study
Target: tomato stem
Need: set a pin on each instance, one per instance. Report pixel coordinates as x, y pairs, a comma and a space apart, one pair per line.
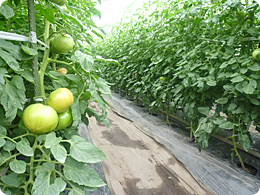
55, 56
45, 58
58, 62
31, 177
236, 152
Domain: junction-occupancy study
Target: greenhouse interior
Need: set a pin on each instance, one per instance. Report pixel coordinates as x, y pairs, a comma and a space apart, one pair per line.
133, 97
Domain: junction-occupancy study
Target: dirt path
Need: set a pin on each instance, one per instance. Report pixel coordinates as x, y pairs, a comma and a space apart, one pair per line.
138, 165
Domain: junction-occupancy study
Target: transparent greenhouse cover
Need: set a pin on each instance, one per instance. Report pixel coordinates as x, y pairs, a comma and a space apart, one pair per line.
1, 1
113, 10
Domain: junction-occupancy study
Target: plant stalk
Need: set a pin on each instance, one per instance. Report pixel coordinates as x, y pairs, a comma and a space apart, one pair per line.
45, 58
235, 149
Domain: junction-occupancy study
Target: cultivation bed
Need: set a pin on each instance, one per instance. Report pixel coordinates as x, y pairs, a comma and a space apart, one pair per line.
138, 146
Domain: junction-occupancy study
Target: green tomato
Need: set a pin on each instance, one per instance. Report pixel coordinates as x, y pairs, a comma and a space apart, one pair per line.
65, 119
163, 79
256, 54
61, 44
60, 99
39, 118
59, 2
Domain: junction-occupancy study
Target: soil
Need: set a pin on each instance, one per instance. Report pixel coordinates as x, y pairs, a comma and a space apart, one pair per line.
213, 167
136, 164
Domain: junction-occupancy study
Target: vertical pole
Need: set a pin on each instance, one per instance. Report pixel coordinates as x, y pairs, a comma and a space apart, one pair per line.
33, 40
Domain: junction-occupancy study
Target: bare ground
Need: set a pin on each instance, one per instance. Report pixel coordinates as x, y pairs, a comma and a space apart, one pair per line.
138, 165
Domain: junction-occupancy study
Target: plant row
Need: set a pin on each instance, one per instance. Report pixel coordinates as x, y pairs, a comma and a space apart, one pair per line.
195, 56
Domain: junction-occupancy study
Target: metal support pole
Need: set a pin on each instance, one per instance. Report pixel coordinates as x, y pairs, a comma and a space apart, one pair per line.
33, 41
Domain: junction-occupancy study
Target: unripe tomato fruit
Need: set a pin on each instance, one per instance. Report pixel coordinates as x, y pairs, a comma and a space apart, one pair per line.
62, 71
59, 2
163, 78
61, 44
60, 99
65, 119
256, 54
39, 118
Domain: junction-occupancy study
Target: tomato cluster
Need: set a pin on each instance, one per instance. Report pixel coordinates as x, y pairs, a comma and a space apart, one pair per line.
40, 118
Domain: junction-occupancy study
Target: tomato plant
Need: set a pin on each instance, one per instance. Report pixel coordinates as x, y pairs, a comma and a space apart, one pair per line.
39, 118
60, 99
35, 159
207, 67
65, 119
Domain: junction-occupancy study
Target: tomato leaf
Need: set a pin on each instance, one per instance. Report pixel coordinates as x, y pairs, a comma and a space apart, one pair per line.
237, 79
99, 58
2, 141
3, 74
24, 147
249, 87
4, 155
9, 146
42, 183
14, 50
51, 140
255, 67
12, 179
227, 125
83, 151
18, 166
222, 100
211, 83
204, 110
48, 14
81, 173
75, 107
27, 74
59, 152
245, 141
77, 189
10, 60
103, 86
86, 61
254, 101
2, 130
13, 97
29, 50
6, 11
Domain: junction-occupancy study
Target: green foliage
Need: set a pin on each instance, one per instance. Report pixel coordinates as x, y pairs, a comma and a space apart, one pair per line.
204, 49
57, 162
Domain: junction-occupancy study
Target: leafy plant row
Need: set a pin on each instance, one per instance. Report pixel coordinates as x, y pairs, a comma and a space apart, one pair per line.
195, 56
44, 96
